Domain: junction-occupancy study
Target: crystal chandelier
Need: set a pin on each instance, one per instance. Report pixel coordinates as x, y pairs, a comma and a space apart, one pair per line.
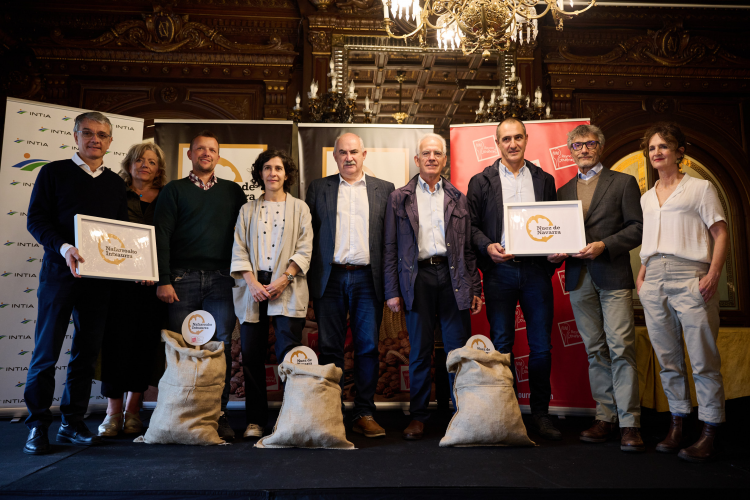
475, 25
332, 107
510, 104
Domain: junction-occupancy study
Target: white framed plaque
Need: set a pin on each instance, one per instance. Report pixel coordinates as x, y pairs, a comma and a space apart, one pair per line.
544, 228
114, 249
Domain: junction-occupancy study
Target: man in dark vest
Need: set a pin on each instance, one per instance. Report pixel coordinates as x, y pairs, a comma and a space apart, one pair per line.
81, 185
600, 281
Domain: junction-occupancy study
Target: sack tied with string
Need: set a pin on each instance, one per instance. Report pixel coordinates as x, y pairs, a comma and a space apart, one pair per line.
189, 402
310, 415
488, 412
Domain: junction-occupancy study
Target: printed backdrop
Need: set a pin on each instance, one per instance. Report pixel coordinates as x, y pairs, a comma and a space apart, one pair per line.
35, 134
473, 148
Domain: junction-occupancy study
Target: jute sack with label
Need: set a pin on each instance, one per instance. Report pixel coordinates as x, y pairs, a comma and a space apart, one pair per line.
189, 402
488, 412
310, 415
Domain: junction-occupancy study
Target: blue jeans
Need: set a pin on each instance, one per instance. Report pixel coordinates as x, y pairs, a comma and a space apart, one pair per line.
434, 302
208, 291
528, 283
351, 292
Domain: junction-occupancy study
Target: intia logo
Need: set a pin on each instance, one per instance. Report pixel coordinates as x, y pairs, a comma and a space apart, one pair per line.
32, 259
3, 304
5, 274
64, 146
25, 321
29, 290
66, 118
21, 112
29, 165
14, 183
67, 352
8, 243
20, 384
12, 213
2, 337
18, 140
70, 322
43, 129
22, 353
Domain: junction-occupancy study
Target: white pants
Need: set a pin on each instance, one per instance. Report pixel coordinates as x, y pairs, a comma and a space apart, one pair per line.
672, 303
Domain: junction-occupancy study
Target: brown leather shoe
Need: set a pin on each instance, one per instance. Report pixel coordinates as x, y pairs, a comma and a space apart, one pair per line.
598, 433
631, 440
703, 449
671, 443
414, 431
368, 426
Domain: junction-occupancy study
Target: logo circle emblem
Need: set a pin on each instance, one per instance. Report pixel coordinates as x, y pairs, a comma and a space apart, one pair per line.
108, 239
301, 355
537, 219
480, 343
198, 327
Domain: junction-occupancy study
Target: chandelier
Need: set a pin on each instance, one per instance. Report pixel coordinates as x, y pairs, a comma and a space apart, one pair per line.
333, 106
511, 103
475, 25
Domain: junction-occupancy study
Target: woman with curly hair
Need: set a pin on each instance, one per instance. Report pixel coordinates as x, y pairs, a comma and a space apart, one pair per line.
271, 255
685, 244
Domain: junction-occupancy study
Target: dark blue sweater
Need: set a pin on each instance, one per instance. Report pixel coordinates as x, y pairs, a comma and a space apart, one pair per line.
62, 190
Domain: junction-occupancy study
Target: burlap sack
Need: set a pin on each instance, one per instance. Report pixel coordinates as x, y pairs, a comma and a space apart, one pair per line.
488, 412
310, 415
189, 401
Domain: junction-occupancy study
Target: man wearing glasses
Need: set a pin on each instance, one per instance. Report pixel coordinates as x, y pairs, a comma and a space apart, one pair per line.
509, 279
600, 281
82, 185
430, 269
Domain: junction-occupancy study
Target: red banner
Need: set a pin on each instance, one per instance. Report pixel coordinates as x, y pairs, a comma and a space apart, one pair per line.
473, 148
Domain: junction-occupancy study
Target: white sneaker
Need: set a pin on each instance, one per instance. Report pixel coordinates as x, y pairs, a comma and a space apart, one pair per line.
253, 430
111, 426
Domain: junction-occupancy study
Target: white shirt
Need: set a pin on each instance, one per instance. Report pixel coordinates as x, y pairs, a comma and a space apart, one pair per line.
351, 244
270, 232
591, 173
96, 173
516, 188
431, 237
680, 226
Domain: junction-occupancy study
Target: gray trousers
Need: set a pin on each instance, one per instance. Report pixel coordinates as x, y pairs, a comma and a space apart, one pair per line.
673, 305
605, 322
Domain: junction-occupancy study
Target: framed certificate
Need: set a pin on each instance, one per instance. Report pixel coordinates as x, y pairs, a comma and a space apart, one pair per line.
544, 228
114, 249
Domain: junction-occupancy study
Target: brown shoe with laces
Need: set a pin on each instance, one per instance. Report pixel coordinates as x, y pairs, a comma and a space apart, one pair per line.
671, 443
368, 426
703, 449
598, 433
631, 440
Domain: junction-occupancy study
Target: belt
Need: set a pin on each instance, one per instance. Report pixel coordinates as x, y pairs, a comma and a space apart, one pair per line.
350, 267
265, 277
434, 260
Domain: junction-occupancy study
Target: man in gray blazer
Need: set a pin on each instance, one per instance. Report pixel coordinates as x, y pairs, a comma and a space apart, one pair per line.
346, 270
600, 281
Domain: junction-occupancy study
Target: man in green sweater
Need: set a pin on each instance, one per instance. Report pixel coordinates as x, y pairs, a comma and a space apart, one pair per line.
194, 221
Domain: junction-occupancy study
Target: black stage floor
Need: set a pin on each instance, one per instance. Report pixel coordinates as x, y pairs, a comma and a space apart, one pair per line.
386, 467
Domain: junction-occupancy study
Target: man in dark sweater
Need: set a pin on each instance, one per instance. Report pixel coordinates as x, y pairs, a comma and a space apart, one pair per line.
82, 185
194, 220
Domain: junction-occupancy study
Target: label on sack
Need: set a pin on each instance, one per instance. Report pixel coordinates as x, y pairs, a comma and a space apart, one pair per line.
198, 328
301, 356
481, 343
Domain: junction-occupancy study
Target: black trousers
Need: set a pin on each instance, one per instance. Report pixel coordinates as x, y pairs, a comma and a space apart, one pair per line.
254, 338
60, 296
132, 344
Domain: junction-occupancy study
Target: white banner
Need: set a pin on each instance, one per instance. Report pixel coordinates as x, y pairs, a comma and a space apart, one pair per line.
35, 134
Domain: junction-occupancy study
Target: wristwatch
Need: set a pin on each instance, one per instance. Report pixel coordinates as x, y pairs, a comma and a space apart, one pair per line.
289, 277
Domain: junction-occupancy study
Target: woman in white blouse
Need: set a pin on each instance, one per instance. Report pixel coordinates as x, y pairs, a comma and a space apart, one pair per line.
271, 255
685, 243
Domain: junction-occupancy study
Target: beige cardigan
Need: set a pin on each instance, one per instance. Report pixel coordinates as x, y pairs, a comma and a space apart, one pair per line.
296, 245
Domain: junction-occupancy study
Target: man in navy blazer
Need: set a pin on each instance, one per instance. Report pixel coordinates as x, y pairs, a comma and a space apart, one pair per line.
430, 269
346, 270
509, 279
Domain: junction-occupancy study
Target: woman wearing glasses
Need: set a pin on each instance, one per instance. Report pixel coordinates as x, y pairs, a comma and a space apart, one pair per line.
271, 255
130, 347
685, 244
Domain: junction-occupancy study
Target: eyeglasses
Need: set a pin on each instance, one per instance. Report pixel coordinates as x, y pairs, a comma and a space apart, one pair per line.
577, 146
427, 154
87, 134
